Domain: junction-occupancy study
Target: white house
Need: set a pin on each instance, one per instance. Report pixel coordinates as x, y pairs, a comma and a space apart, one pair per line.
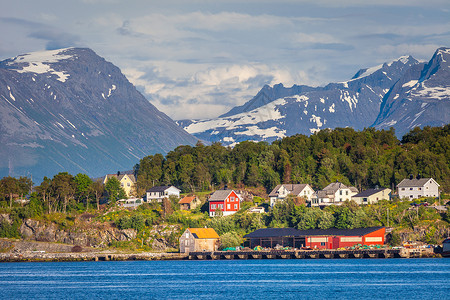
158, 193
371, 196
414, 188
281, 191
333, 194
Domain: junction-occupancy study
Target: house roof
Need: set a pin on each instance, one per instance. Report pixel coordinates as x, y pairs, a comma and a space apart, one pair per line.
160, 188
369, 192
187, 200
292, 232
220, 195
120, 177
414, 182
204, 233
294, 189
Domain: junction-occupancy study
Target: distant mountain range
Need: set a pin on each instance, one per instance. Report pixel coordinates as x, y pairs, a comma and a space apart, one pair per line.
402, 94
70, 110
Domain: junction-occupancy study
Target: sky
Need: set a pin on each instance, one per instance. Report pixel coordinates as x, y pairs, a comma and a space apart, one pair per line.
198, 59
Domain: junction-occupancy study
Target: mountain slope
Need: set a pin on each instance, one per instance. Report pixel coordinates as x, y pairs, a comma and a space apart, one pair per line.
277, 112
421, 97
70, 110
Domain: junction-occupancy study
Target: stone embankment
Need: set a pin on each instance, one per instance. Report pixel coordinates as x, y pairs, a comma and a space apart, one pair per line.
36, 256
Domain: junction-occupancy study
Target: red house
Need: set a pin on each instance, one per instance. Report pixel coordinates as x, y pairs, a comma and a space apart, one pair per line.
226, 201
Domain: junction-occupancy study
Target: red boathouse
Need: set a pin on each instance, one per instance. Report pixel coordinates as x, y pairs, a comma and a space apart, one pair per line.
332, 238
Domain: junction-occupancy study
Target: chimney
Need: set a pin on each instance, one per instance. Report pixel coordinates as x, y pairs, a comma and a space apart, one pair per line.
411, 177
225, 187
118, 173
418, 176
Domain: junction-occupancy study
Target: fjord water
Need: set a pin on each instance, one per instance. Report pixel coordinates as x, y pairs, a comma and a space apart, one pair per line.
227, 279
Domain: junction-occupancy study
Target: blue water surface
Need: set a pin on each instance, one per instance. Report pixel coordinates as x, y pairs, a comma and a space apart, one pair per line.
229, 279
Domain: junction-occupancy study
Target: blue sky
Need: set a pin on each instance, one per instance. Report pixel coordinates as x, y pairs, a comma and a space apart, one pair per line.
198, 59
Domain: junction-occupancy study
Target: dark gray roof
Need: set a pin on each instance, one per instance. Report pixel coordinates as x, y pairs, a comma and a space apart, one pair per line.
369, 192
413, 182
220, 195
292, 232
160, 188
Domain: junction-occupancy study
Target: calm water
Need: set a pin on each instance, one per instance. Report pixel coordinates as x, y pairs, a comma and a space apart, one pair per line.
241, 279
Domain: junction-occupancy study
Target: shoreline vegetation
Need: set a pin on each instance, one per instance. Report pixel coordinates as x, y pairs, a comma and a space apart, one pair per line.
79, 211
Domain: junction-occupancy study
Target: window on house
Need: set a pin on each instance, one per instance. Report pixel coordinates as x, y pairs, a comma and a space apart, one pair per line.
340, 193
186, 242
221, 206
403, 189
410, 189
346, 193
419, 189
128, 184
232, 199
235, 206
228, 206
213, 206
322, 243
187, 235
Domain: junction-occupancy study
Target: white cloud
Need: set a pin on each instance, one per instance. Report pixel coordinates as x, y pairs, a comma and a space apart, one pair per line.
199, 58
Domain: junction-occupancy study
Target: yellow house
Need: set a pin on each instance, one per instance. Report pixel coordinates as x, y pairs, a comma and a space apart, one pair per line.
198, 239
372, 196
127, 182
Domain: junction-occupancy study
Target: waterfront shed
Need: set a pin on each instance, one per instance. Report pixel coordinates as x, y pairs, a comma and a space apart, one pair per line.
198, 239
332, 238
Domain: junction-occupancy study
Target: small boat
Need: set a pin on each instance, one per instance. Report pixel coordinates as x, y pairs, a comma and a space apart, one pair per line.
446, 247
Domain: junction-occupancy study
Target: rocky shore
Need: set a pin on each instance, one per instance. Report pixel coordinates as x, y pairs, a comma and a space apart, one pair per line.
31, 251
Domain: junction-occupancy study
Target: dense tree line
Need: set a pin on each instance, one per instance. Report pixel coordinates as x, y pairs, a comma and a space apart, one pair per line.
365, 159
62, 193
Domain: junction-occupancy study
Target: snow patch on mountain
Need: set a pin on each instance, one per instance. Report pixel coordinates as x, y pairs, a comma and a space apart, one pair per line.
39, 62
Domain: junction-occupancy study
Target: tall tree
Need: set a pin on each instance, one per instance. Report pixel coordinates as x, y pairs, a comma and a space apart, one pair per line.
114, 190
10, 186
83, 188
63, 187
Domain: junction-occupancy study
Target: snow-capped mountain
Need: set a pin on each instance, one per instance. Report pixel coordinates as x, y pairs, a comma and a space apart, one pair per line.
278, 112
420, 97
70, 110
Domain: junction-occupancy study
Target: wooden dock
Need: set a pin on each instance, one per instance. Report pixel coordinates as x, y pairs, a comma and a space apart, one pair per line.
297, 254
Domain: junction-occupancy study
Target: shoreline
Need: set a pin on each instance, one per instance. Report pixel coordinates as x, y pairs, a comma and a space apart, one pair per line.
37, 256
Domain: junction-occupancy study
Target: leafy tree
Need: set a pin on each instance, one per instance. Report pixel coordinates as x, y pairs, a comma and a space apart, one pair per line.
230, 239
114, 190
83, 188
63, 188
10, 186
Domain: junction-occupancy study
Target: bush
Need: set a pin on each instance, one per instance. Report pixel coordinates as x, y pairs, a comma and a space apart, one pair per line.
230, 239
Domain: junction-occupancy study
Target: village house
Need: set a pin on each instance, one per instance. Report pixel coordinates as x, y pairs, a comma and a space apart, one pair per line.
414, 188
199, 239
227, 201
372, 196
331, 238
158, 193
130, 203
189, 202
127, 182
335, 193
281, 191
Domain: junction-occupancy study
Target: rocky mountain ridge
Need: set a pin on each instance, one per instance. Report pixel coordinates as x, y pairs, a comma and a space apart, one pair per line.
363, 101
71, 110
